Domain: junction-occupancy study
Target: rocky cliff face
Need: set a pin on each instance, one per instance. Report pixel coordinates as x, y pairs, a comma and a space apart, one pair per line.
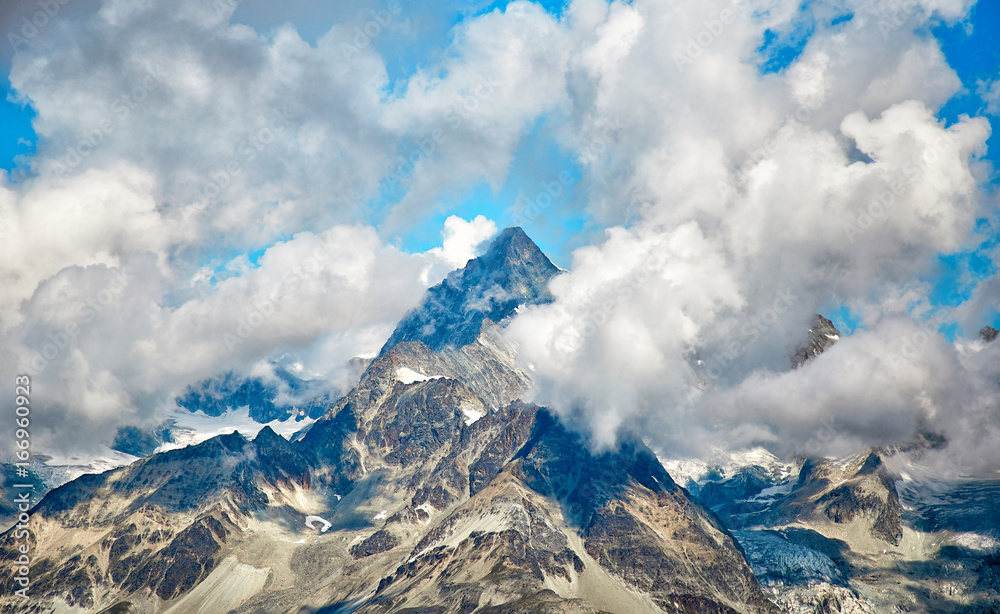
427, 488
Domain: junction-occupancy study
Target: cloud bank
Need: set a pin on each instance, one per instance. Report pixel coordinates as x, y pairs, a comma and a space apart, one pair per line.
764, 199
206, 196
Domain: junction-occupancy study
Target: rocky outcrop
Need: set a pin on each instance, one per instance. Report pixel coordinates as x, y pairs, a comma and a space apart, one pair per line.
870, 493
987, 333
822, 335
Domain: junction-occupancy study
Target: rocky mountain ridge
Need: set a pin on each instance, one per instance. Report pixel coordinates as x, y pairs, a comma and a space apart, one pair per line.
428, 487
858, 534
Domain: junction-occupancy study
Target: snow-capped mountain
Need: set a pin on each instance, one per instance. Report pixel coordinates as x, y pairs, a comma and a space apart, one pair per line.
868, 534
430, 487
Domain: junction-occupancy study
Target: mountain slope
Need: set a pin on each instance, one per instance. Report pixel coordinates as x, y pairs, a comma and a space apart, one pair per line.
861, 534
428, 487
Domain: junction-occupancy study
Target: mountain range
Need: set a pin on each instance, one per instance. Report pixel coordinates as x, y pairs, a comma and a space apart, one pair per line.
431, 487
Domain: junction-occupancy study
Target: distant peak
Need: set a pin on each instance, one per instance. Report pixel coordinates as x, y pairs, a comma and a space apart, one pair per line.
821, 336
988, 333
266, 434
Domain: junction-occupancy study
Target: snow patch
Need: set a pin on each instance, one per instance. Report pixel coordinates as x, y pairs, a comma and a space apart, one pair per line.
57, 469
409, 376
773, 492
471, 415
724, 465
985, 543
381, 515
312, 520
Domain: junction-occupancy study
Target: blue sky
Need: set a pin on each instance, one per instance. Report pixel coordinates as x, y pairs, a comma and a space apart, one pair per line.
17, 137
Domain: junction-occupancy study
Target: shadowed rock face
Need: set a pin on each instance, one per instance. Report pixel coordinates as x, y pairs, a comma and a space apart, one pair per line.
870, 492
157, 527
423, 509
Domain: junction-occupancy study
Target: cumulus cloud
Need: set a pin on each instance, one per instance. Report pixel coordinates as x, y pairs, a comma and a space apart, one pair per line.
762, 200
989, 91
105, 345
462, 239
730, 205
174, 139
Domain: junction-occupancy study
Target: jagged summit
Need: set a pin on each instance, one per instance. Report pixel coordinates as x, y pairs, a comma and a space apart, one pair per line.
513, 272
512, 247
987, 333
822, 335
436, 488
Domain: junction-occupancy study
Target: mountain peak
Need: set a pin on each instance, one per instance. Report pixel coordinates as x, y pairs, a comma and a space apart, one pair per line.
512, 272
513, 245
988, 333
822, 335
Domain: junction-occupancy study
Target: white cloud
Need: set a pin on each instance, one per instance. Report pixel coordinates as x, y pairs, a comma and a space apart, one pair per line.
462, 239
105, 346
989, 91
751, 190
173, 140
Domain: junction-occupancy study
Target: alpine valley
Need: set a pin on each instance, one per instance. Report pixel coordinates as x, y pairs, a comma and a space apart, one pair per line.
431, 487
